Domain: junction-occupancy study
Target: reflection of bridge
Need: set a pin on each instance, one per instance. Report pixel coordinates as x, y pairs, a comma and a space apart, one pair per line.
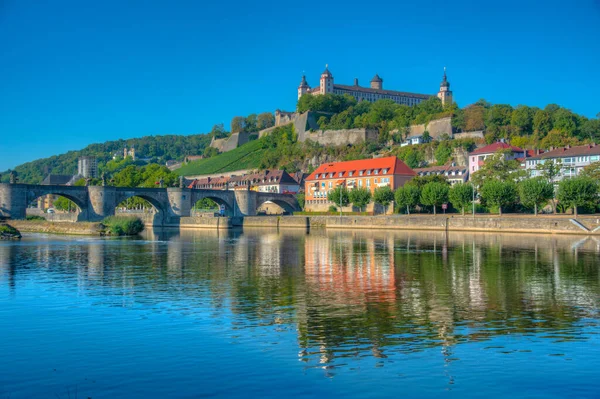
97, 202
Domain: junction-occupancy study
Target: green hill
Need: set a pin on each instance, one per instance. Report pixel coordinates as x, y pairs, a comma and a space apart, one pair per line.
247, 156
157, 149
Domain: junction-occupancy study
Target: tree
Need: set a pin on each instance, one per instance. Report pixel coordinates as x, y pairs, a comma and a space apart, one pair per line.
407, 196
497, 167
301, 200
218, 131
360, 197
250, 123
461, 196
443, 152
499, 193
210, 152
550, 169
238, 124
542, 123
535, 192
64, 204
592, 171
579, 191
265, 120
421, 181
434, 194
474, 117
522, 119
383, 196
339, 196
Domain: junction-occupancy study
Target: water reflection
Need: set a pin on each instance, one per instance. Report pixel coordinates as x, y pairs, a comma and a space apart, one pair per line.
347, 295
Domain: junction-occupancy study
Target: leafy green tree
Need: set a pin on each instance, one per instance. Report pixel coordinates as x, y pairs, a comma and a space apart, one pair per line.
592, 171
579, 191
339, 196
333, 103
64, 204
498, 193
542, 123
265, 120
474, 116
590, 130
421, 181
434, 194
360, 197
535, 192
461, 196
550, 169
522, 119
383, 196
210, 152
238, 124
443, 152
218, 131
497, 167
301, 200
565, 121
407, 196
250, 123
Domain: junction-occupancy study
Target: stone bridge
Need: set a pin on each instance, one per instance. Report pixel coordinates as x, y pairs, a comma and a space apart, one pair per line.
97, 202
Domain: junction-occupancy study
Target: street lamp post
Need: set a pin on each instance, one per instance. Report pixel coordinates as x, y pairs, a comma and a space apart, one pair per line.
473, 187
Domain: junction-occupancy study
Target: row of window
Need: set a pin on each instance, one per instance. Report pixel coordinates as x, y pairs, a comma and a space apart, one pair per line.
351, 173
567, 160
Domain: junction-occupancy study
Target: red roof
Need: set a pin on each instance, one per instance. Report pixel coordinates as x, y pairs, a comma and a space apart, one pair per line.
568, 151
394, 166
489, 149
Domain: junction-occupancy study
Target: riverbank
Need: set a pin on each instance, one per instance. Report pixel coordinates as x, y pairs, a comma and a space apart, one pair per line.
38, 226
585, 225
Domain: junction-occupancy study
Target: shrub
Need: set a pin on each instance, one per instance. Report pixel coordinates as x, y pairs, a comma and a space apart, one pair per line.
123, 225
332, 208
34, 217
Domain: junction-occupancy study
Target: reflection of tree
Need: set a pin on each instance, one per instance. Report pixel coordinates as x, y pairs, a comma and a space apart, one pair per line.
375, 294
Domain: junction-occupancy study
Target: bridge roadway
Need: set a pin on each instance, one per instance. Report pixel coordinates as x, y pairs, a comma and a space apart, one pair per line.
97, 202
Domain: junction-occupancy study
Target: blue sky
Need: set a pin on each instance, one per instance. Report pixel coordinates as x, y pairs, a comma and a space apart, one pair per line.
75, 72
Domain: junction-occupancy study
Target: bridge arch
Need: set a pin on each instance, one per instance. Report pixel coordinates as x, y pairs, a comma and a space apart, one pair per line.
287, 202
77, 195
221, 197
158, 201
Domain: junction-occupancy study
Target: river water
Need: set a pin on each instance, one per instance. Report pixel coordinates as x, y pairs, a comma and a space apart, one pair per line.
262, 313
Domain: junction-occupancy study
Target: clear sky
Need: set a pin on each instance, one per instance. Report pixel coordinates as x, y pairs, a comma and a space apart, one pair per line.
77, 72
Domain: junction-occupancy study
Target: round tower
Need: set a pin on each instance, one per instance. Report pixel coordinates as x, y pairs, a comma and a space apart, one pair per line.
377, 82
303, 88
326, 82
445, 94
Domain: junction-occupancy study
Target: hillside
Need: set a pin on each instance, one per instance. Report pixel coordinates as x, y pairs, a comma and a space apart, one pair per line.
247, 156
158, 149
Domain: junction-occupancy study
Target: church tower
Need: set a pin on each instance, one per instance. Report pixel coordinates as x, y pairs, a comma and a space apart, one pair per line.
326, 82
445, 94
377, 82
303, 88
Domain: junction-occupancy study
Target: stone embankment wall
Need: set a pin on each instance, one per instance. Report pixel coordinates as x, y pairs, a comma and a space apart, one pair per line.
35, 226
276, 221
199, 222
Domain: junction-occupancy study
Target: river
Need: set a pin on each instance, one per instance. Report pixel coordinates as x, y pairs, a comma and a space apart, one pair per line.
262, 313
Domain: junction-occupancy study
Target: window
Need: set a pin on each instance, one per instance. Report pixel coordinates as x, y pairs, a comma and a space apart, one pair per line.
330, 174
375, 181
340, 174
368, 182
376, 171
368, 173
385, 171
360, 183
350, 174
317, 176
360, 173
330, 184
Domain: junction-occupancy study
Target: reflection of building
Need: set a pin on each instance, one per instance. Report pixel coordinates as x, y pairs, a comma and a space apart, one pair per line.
365, 173
87, 167
373, 93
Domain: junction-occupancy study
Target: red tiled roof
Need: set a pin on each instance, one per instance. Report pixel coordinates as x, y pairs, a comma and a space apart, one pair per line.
394, 165
579, 150
488, 149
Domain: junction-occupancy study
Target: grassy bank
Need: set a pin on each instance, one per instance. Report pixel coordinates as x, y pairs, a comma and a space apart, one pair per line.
8, 232
123, 225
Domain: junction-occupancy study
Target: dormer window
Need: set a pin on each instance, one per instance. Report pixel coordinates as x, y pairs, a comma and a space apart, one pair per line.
340, 174
376, 171
385, 171
330, 174
350, 174
317, 176
360, 173
368, 173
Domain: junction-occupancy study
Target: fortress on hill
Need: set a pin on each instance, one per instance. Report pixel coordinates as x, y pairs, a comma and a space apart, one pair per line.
374, 92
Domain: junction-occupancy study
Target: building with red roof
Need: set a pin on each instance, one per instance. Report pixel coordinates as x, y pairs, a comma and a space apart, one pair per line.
572, 159
477, 158
367, 173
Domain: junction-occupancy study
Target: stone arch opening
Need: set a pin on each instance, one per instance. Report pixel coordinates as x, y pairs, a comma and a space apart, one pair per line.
221, 203
149, 209
275, 207
55, 206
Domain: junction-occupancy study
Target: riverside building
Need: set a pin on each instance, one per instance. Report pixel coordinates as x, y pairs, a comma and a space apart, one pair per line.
572, 160
364, 173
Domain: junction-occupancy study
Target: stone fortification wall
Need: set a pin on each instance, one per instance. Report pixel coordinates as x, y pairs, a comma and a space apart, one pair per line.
436, 128
341, 137
232, 142
469, 135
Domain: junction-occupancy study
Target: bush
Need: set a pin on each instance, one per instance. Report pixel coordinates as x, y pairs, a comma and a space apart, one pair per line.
123, 225
332, 208
9, 232
34, 217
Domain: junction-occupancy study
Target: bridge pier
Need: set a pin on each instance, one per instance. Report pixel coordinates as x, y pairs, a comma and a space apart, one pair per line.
180, 201
13, 200
102, 202
245, 203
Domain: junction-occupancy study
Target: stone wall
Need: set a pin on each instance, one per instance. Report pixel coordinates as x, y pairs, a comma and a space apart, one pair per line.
341, 137
232, 142
35, 226
469, 135
276, 221
436, 128
205, 222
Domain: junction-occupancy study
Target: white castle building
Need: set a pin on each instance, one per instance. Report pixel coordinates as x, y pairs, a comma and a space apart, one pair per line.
374, 92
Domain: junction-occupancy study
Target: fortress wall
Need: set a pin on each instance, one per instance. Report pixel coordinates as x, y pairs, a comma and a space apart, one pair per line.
478, 134
436, 128
341, 137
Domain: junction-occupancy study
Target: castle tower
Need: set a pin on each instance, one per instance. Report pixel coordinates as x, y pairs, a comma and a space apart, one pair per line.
326, 82
377, 82
303, 88
445, 94
125, 153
